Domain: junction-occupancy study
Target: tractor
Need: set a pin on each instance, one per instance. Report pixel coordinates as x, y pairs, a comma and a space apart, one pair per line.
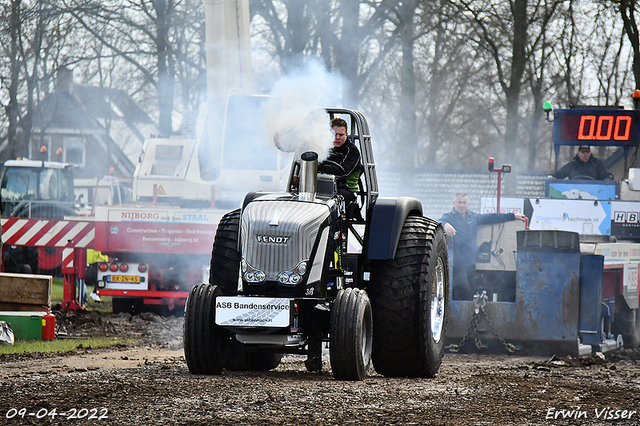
293, 270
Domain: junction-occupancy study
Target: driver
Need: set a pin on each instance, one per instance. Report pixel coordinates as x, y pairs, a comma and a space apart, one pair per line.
584, 165
343, 161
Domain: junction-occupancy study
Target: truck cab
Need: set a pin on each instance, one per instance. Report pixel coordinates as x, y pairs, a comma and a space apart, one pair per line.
39, 189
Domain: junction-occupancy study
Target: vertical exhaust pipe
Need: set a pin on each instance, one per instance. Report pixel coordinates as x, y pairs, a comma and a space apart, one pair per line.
308, 176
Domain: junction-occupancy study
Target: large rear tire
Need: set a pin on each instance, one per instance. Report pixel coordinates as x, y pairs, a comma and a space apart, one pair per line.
410, 299
351, 335
627, 322
225, 257
203, 339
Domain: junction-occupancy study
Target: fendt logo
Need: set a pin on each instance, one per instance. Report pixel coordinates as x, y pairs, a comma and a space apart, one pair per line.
272, 239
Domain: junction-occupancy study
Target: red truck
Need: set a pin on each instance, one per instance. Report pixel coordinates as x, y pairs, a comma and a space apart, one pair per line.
156, 254
159, 240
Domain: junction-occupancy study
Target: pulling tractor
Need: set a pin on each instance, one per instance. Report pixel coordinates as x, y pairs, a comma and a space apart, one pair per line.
293, 270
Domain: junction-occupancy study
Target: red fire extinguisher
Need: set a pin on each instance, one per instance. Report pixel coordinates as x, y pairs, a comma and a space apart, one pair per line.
48, 326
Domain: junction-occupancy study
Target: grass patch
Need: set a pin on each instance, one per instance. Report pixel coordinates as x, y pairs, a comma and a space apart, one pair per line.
61, 345
57, 290
57, 293
66, 345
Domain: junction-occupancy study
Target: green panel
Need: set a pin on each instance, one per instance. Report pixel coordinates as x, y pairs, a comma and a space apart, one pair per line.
26, 325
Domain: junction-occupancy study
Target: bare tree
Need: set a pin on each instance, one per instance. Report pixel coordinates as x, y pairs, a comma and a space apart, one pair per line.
519, 38
293, 26
628, 9
329, 30
153, 36
190, 56
13, 108
501, 29
35, 44
538, 67
448, 82
449, 74
351, 37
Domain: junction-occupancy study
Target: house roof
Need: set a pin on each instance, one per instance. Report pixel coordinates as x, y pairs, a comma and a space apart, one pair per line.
81, 108
86, 109
63, 110
110, 104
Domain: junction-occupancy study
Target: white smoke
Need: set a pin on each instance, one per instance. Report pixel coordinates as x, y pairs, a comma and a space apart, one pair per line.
296, 110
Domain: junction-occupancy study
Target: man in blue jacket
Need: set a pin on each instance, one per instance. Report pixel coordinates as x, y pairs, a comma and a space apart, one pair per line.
462, 226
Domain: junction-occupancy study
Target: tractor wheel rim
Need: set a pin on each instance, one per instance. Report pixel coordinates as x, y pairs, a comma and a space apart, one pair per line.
437, 302
367, 333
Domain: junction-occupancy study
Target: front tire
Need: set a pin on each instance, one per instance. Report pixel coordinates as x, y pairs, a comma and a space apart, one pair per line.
410, 295
225, 257
351, 335
202, 337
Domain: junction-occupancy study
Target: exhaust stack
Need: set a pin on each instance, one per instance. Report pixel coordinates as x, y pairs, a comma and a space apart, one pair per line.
308, 176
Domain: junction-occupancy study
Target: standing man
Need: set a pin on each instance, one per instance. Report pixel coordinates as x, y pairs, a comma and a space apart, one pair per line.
584, 165
462, 225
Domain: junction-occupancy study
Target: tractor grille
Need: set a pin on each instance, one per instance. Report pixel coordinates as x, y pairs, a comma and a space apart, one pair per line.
277, 235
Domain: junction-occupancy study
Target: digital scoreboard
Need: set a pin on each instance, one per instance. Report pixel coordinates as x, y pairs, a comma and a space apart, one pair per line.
595, 126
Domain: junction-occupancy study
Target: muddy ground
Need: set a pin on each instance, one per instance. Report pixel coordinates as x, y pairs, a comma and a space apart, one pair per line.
146, 382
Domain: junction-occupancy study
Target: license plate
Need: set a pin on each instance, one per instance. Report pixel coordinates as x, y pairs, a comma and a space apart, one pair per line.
253, 311
124, 279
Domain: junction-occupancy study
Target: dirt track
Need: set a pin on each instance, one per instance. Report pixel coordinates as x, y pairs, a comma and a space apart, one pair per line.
148, 382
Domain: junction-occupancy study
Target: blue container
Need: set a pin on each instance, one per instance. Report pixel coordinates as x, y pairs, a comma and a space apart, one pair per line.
545, 315
591, 272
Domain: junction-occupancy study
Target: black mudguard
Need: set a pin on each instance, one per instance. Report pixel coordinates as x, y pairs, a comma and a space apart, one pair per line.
387, 218
252, 196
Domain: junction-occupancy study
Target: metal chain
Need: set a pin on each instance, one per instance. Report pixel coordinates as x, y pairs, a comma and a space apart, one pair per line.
480, 301
510, 347
472, 327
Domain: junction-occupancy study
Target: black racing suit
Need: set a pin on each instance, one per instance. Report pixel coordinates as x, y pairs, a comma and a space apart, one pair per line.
344, 163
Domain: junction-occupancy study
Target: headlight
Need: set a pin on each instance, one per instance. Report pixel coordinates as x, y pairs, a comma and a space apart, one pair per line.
283, 277
251, 274
293, 276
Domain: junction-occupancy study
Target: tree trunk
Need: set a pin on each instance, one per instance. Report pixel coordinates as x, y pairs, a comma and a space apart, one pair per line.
627, 9
407, 120
347, 51
166, 69
12, 108
434, 98
513, 91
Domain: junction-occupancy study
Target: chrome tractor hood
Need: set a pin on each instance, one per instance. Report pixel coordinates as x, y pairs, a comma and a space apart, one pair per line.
278, 237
